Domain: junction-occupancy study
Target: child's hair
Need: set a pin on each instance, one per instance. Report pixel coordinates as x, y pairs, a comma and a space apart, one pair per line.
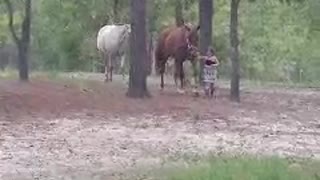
211, 51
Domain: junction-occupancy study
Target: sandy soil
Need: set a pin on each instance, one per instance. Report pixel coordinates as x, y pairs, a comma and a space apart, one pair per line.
89, 130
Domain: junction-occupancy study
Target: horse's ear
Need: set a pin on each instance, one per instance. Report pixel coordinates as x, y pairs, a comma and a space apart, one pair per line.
198, 27
187, 27
128, 27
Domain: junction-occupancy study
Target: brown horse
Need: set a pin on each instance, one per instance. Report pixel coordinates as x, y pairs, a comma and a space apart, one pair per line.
177, 42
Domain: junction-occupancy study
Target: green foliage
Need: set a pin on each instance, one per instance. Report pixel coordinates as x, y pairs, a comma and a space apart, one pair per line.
271, 45
280, 39
65, 32
5, 35
314, 15
247, 168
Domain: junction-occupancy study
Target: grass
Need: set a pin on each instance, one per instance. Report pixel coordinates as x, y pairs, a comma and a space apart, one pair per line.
12, 74
271, 84
75, 79
246, 168
8, 74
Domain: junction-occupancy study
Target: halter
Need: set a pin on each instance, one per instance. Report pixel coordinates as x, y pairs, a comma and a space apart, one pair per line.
191, 47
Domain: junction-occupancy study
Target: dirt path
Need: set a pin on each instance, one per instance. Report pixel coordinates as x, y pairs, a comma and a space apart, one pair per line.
96, 140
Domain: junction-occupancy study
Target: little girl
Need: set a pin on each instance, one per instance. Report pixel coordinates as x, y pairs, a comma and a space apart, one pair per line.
209, 71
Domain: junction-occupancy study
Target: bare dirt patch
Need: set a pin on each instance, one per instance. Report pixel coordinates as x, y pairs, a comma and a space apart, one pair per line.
90, 130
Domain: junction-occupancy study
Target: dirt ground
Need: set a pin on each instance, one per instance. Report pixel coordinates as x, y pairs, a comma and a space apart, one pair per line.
76, 129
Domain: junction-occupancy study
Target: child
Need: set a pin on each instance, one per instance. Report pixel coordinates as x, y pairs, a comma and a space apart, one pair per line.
209, 71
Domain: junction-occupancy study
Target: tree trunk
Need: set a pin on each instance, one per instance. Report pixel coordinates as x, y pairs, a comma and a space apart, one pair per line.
178, 13
116, 11
149, 37
23, 63
234, 52
153, 15
24, 42
149, 54
138, 51
206, 17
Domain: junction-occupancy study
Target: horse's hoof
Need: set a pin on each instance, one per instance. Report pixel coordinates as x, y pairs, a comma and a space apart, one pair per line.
195, 93
181, 91
161, 91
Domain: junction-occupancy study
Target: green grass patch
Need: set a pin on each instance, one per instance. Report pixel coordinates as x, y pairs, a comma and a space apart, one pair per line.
12, 74
245, 168
245, 83
75, 80
9, 74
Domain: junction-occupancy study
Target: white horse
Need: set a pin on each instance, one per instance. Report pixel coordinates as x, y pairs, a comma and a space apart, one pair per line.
113, 41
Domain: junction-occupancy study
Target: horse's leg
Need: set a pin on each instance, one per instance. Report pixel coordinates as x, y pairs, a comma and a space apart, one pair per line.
195, 72
111, 65
176, 74
162, 81
195, 76
162, 69
106, 67
179, 71
181, 74
123, 58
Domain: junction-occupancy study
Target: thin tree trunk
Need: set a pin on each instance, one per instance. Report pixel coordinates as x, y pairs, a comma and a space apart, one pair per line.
206, 17
149, 56
23, 63
24, 42
151, 23
179, 13
116, 11
149, 37
234, 52
138, 51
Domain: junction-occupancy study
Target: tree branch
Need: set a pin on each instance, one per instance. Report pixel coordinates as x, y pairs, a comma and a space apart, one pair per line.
10, 24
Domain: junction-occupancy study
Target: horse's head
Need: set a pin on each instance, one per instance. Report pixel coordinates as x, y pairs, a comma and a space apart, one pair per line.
192, 39
125, 30
192, 35
128, 28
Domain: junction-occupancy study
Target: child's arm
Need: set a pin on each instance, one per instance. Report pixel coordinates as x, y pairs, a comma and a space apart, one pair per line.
217, 62
202, 57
